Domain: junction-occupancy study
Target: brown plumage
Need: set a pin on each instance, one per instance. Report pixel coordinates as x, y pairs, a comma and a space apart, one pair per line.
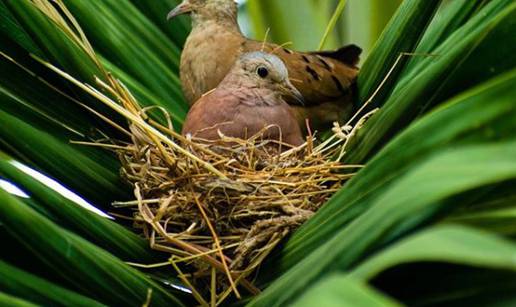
249, 99
325, 79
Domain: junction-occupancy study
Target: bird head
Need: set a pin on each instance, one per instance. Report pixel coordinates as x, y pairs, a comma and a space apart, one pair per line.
206, 9
266, 71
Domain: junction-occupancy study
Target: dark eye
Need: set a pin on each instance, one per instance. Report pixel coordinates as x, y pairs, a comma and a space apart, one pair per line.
262, 72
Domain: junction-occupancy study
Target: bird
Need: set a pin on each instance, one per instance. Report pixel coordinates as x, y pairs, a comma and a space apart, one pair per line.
325, 79
248, 102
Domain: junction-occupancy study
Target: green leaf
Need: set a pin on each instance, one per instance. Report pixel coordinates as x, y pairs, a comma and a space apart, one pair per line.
499, 220
339, 290
436, 79
8, 300
136, 45
468, 120
92, 270
37, 103
448, 19
366, 20
177, 29
56, 46
444, 33
33, 117
444, 168
97, 229
333, 21
37, 290
11, 28
468, 267
450, 244
438, 178
401, 35
290, 21
86, 174
149, 57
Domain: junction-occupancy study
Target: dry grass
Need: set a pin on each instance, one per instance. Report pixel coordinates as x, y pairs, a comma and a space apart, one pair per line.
217, 208
229, 222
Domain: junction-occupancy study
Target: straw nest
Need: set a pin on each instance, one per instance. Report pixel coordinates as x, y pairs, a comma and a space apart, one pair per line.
220, 207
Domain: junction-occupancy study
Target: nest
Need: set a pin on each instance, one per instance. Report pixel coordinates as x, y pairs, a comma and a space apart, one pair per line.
220, 207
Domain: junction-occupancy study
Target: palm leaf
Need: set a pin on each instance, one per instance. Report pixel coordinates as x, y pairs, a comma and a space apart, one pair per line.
401, 35
38, 290
340, 290
303, 29
455, 164
468, 120
466, 250
437, 79
9, 300
91, 270
441, 176
448, 19
98, 229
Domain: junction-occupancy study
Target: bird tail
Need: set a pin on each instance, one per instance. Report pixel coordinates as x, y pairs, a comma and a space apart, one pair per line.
349, 54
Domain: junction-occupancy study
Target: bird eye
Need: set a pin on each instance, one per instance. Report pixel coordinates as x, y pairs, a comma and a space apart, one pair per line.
262, 72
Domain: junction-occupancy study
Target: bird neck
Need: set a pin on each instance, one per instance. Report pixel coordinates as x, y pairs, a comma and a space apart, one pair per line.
248, 93
221, 20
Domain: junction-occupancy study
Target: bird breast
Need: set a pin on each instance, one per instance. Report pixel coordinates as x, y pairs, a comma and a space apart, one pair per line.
226, 112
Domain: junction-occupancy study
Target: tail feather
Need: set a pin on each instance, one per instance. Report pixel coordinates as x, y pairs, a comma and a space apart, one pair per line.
349, 54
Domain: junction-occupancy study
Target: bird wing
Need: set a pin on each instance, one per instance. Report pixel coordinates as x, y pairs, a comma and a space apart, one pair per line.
319, 76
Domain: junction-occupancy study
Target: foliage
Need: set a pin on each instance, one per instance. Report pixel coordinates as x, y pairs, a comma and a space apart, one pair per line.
434, 199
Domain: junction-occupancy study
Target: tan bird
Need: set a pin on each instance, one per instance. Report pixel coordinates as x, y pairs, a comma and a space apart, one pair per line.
248, 101
325, 79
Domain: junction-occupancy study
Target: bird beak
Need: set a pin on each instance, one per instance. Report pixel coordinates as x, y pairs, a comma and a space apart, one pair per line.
183, 8
292, 91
